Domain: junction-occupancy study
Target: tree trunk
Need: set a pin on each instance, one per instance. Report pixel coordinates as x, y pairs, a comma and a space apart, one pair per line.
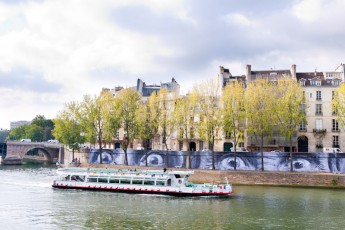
291, 165
213, 166
100, 152
262, 152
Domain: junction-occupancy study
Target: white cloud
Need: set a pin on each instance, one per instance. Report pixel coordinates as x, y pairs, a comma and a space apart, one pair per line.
239, 20
308, 10
76, 47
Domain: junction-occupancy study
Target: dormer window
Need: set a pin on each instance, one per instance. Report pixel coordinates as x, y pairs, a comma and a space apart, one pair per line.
315, 83
302, 82
335, 82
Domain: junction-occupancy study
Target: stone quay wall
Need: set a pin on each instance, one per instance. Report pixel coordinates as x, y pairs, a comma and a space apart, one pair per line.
288, 179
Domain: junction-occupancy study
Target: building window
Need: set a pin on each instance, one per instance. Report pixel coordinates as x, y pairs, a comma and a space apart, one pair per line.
335, 125
335, 141
332, 95
335, 82
227, 135
302, 82
318, 95
318, 109
180, 145
241, 144
302, 126
201, 145
303, 106
311, 95
318, 124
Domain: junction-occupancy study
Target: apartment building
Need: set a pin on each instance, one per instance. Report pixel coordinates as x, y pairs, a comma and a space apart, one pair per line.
321, 129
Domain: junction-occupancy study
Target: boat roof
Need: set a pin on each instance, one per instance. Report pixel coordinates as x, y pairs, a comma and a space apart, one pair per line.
85, 171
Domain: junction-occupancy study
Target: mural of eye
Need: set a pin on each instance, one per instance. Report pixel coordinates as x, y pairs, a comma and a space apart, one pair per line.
153, 158
107, 158
302, 165
228, 163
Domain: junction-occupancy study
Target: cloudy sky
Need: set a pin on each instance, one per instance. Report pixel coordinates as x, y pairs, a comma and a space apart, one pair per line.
56, 51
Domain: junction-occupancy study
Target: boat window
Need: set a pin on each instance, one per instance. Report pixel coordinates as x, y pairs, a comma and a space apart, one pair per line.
125, 181
103, 179
67, 177
161, 183
92, 179
137, 181
114, 180
177, 175
169, 182
149, 182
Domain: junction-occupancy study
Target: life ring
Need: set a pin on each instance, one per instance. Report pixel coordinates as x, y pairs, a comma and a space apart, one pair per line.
180, 181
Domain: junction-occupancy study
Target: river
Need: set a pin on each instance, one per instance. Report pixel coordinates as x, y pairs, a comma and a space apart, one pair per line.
28, 201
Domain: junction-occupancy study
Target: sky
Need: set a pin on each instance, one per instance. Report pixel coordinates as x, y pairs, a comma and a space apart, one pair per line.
55, 51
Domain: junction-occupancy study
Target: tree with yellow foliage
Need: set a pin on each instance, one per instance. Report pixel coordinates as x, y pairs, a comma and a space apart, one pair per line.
234, 113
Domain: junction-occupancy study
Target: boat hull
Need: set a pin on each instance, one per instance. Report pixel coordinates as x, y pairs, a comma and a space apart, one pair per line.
142, 191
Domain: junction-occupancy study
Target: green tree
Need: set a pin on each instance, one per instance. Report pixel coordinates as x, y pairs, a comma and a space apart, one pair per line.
111, 115
259, 109
288, 109
210, 122
46, 125
338, 104
127, 105
147, 121
93, 119
34, 132
3, 135
233, 112
164, 105
184, 119
67, 128
18, 133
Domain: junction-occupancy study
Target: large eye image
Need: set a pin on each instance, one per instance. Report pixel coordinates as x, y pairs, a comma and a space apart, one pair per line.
153, 158
227, 162
304, 165
107, 158
95, 157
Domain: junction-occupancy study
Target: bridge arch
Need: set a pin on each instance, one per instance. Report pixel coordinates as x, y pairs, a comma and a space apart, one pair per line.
19, 150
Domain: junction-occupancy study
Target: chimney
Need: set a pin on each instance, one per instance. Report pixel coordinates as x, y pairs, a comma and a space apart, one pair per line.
248, 73
293, 72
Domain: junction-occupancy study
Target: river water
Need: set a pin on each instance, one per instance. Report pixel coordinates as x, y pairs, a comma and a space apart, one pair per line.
27, 201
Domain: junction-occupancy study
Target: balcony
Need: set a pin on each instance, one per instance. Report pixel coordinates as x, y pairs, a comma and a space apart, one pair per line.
318, 113
319, 131
336, 130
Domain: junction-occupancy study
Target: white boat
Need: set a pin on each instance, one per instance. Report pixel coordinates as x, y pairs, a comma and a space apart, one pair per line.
165, 182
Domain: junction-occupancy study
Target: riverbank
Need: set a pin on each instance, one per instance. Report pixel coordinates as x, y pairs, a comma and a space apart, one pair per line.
268, 178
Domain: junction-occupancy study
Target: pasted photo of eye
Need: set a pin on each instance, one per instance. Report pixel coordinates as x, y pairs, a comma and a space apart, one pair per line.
227, 162
153, 158
95, 157
302, 162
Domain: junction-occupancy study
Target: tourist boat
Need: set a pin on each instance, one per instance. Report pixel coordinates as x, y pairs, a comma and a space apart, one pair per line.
165, 182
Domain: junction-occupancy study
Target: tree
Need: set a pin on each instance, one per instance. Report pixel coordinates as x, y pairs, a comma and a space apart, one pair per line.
111, 115
164, 106
209, 112
67, 128
338, 104
92, 118
18, 133
233, 112
46, 125
127, 104
147, 121
3, 135
184, 119
287, 109
259, 109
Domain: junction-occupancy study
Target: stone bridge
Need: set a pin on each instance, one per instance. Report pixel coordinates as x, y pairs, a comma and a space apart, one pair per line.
16, 151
